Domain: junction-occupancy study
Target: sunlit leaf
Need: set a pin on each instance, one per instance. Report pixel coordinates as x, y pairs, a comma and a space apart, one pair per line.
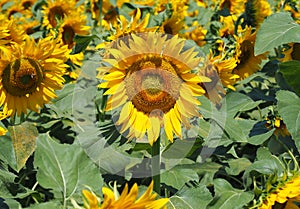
63, 168
24, 141
177, 177
190, 197
277, 29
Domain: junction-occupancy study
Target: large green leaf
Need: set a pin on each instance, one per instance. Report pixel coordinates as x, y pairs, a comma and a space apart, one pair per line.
228, 197
277, 29
190, 198
289, 110
63, 168
24, 141
291, 72
177, 177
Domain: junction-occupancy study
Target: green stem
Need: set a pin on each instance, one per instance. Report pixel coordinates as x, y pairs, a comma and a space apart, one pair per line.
155, 162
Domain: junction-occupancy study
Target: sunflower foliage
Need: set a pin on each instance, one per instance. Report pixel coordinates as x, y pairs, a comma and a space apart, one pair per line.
98, 95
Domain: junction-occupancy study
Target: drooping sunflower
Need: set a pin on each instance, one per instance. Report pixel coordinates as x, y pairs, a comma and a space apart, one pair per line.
279, 125
56, 10
127, 199
151, 79
247, 62
256, 11
293, 53
30, 74
219, 70
286, 195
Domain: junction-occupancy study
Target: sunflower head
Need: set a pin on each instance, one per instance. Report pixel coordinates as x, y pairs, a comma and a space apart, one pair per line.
247, 62
152, 80
292, 53
30, 73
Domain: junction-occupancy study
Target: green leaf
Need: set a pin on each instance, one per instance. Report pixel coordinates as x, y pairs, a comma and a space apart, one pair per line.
177, 177
24, 141
64, 168
82, 42
260, 139
277, 29
228, 197
49, 205
236, 166
190, 198
289, 109
7, 152
235, 102
291, 72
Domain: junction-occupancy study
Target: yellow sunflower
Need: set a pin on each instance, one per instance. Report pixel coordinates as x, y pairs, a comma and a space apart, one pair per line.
247, 63
56, 10
151, 78
30, 74
127, 200
257, 11
233, 6
10, 31
284, 196
125, 27
73, 24
293, 53
228, 25
279, 125
172, 25
196, 33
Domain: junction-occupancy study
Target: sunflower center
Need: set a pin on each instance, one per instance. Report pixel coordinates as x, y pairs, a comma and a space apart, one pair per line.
55, 13
68, 35
22, 77
152, 84
247, 51
296, 52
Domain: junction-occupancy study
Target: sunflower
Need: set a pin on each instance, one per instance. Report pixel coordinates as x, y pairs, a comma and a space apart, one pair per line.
10, 31
56, 10
125, 27
228, 25
256, 12
173, 25
127, 200
152, 79
196, 33
73, 24
30, 74
293, 53
285, 194
219, 70
279, 125
233, 6
247, 62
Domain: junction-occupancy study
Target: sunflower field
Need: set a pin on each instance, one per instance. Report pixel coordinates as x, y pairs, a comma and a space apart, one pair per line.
149, 104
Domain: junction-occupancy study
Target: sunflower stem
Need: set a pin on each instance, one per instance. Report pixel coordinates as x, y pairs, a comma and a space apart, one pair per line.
155, 162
